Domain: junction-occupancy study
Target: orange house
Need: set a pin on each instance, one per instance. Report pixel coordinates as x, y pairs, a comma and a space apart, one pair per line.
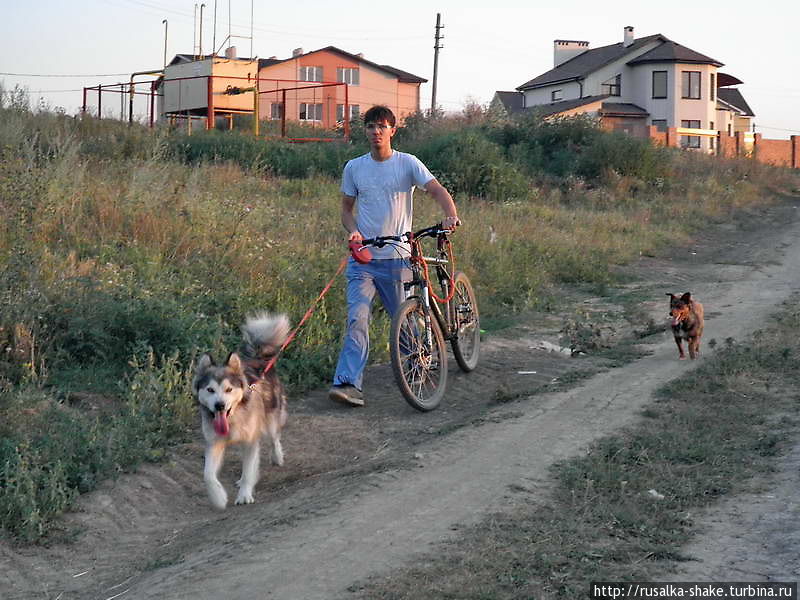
315, 87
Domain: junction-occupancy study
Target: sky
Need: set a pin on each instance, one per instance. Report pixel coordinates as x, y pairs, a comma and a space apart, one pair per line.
55, 48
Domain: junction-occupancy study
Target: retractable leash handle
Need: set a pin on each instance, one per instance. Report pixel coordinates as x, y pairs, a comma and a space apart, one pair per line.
359, 252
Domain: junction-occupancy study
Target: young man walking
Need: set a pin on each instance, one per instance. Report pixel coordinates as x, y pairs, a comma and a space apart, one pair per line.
377, 190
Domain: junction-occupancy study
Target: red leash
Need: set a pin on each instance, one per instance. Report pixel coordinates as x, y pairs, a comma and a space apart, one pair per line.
305, 318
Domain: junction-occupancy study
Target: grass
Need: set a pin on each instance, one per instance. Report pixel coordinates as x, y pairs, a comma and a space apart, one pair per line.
124, 252
702, 439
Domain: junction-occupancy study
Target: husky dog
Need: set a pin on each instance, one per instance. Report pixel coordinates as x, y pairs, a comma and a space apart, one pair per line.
239, 404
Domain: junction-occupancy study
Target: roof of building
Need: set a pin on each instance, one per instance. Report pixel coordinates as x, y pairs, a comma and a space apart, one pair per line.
511, 101
586, 62
726, 79
623, 109
554, 108
671, 51
402, 76
578, 67
187, 58
734, 97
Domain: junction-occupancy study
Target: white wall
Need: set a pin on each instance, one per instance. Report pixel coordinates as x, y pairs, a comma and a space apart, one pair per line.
186, 94
569, 91
704, 109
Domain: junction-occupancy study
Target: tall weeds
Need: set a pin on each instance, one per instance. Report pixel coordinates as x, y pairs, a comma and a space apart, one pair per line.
124, 251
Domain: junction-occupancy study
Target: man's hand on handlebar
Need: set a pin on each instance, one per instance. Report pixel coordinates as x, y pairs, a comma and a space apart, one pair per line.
450, 223
355, 236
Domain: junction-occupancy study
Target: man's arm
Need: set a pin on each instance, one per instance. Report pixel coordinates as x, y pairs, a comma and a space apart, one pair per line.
349, 219
445, 200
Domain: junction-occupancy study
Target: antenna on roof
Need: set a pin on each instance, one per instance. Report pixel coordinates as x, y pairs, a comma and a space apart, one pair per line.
166, 26
194, 32
214, 35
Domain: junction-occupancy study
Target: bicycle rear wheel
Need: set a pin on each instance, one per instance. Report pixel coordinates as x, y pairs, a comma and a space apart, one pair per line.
467, 341
419, 368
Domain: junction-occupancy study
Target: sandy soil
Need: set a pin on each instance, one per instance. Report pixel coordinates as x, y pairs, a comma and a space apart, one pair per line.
365, 490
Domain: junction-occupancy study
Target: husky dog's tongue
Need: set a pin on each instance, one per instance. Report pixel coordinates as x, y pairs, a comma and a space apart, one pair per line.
221, 423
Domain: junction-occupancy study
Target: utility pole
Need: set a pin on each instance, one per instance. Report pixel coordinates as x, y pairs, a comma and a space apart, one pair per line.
436, 47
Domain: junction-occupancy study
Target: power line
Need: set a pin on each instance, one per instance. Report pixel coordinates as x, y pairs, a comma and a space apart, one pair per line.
50, 91
63, 75
760, 126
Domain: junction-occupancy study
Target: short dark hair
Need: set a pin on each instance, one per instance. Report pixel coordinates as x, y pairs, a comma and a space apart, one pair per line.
380, 113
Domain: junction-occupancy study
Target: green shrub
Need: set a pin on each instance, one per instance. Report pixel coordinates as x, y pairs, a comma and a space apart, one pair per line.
50, 453
467, 162
277, 157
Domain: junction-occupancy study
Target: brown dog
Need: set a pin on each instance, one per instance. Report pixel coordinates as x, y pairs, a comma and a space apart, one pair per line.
687, 323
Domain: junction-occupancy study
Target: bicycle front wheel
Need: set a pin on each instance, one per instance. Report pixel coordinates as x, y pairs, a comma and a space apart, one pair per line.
420, 367
467, 340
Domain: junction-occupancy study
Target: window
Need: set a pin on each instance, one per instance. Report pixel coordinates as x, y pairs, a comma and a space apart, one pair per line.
690, 84
310, 112
556, 95
276, 111
659, 84
660, 124
712, 87
310, 74
729, 129
612, 86
690, 141
355, 110
711, 139
347, 75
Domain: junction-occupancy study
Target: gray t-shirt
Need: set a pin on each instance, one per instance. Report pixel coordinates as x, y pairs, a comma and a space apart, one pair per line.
384, 196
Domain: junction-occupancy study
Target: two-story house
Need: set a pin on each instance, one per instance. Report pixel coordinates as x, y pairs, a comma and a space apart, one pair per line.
635, 83
368, 84
309, 87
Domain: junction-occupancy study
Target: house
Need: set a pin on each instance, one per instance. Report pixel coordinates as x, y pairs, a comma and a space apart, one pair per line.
309, 87
368, 84
634, 84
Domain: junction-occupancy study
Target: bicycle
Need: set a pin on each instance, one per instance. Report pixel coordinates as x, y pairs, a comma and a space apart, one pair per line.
420, 328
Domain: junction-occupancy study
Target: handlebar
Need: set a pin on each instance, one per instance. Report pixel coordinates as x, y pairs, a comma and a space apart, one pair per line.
381, 241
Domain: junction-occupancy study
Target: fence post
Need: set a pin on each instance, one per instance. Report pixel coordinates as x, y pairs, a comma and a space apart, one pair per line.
672, 137
210, 114
756, 144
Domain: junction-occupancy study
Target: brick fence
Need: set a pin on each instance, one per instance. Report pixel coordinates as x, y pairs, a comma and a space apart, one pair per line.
783, 153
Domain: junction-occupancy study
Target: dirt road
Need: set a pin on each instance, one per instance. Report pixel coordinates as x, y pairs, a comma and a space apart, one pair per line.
365, 491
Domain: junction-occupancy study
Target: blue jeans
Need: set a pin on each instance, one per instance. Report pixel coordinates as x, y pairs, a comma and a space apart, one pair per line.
384, 276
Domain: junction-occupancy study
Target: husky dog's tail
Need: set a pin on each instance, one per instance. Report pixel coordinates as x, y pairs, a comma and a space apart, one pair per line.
263, 333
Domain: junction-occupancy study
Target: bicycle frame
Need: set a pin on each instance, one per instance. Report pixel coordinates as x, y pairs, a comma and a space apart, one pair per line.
447, 321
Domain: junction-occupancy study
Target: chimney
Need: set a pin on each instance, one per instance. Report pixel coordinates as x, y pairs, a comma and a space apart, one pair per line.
628, 38
230, 52
563, 50
360, 55
297, 52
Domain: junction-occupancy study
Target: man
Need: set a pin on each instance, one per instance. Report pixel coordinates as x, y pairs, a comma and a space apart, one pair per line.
380, 185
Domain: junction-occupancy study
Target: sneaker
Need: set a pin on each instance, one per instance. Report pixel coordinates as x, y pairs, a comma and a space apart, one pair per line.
346, 394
